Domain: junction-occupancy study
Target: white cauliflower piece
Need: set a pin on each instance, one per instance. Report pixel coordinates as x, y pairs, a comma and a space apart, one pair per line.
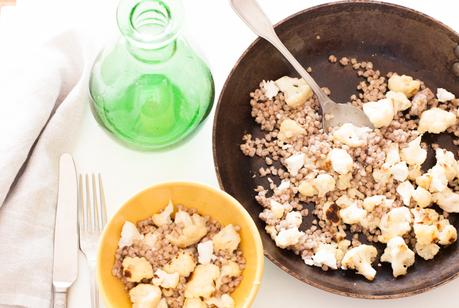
341, 161
404, 84
290, 129
447, 233
129, 234
382, 175
344, 181
288, 237
360, 259
398, 255
294, 163
269, 88
341, 249
414, 171
425, 216
205, 252
224, 301
422, 197
164, 218
405, 190
324, 183
194, 303
325, 255
414, 154
183, 264
352, 214
145, 296
344, 201
226, 239
202, 282
351, 135
436, 120
230, 269
307, 189
293, 219
135, 269
426, 235
439, 181
446, 160
392, 155
399, 100
444, 95
277, 209
447, 200
424, 180
371, 202
296, 91
194, 229
380, 113
396, 222
285, 184
400, 171
166, 280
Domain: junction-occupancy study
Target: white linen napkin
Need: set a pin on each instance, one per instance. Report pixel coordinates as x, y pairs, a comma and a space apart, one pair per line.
43, 92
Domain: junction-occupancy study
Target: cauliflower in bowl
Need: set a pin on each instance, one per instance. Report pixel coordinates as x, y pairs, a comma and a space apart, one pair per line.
179, 258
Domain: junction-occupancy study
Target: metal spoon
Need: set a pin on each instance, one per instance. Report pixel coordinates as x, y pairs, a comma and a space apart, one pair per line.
250, 12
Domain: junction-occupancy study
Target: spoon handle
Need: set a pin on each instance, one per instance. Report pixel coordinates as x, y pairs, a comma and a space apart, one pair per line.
251, 13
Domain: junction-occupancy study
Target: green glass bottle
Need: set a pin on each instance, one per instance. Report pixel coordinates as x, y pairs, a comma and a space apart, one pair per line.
150, 89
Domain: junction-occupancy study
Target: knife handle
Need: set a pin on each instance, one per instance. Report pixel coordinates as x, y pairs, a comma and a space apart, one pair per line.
60, 299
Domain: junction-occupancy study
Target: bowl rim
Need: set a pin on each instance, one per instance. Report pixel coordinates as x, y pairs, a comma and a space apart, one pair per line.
216, 159
253, 230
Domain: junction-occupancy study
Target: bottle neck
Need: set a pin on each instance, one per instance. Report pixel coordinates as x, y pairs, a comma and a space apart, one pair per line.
150, 27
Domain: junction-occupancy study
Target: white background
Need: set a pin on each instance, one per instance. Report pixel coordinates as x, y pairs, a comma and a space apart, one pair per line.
221, 38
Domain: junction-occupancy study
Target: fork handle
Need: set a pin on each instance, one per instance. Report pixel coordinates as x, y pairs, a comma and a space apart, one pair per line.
60, 299
95, 302
251, 13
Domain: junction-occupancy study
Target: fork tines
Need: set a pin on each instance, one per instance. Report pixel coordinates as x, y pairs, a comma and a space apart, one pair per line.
92, 209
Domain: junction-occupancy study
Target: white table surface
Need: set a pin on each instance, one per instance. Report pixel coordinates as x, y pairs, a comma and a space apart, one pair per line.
222, 38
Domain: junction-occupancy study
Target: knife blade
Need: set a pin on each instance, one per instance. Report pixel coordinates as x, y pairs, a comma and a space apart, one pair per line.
65, 265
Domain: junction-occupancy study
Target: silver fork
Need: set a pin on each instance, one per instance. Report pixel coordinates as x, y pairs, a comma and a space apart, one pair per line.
92, 218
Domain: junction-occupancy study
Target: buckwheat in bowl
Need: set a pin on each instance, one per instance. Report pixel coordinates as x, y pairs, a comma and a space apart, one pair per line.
356, 211
180, 245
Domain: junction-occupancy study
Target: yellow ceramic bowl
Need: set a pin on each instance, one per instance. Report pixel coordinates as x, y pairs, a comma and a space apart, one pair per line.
208, 201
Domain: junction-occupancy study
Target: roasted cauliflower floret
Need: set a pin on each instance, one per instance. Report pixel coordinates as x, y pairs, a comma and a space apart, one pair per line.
422, 197
183, 264
290, 129
447, 233
294, 163
326, 255
129, 234
135, 269
296, 91
324, 183
360, 258
436, 120
226, 239
351, 135
145, 296
404, 84
399, 100
446, 160
438, 179
230, 269
414, 154
380, 113
447, 200
352, 214
405, 190
395, 223
426, 235
341, 161
400, 171
269, 88
224, 301
444, 95
205, 252
288, 237
398, 255
164, 218
193, 229
202, 283
166, 280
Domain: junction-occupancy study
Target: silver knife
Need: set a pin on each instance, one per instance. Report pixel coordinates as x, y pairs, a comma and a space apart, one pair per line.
65, 267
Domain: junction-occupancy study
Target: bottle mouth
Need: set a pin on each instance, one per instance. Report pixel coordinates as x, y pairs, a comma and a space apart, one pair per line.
150, 23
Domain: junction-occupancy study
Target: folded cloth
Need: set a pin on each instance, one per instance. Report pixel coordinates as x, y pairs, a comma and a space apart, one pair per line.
42, 96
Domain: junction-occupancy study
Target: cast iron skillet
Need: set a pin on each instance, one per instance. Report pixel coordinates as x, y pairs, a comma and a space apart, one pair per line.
394, 38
